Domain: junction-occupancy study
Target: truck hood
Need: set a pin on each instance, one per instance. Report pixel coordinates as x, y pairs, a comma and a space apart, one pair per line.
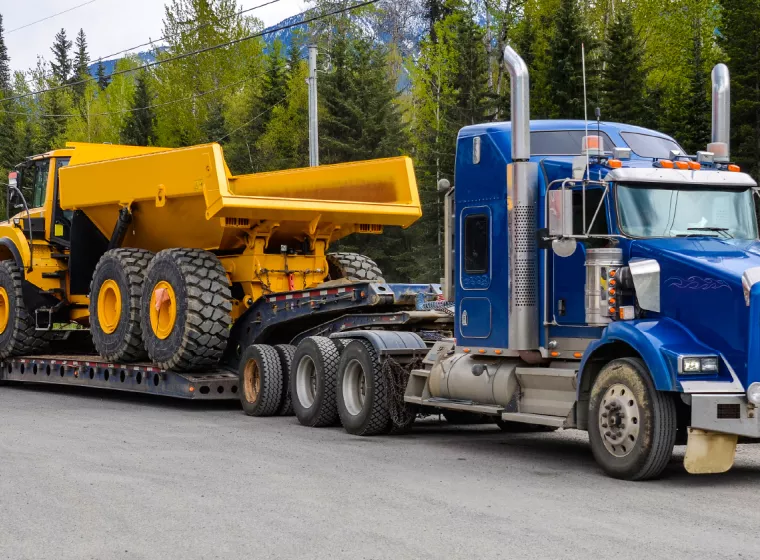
701, 287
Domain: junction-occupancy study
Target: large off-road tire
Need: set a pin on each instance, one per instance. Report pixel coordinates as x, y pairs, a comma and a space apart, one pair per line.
286, 353
185, 312
17, 328
312, 384
260, 381
632, 426
362, 391
353, 266
115, 296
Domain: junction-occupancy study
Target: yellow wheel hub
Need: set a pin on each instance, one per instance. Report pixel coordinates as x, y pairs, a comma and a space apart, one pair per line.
109, 306
5, 310
163, 309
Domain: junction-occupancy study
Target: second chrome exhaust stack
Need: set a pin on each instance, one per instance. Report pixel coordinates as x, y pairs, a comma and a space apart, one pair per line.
721, 114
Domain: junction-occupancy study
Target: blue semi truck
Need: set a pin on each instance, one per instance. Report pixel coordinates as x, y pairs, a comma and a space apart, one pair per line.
603, 280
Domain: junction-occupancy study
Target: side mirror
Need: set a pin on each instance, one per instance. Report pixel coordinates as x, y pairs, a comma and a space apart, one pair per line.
561, 222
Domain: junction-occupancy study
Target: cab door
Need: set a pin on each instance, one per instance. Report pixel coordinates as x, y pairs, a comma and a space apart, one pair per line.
568, 304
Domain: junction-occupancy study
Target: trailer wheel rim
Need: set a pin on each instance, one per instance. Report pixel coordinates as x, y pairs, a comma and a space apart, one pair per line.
354, 387
5, 310
251, 381
163, 309
109, 306
619, 420
306, 381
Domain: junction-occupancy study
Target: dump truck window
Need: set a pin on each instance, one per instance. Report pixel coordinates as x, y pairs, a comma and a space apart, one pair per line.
40, 183
476, 244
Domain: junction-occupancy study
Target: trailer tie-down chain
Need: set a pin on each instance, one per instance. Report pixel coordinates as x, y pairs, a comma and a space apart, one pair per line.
397, 377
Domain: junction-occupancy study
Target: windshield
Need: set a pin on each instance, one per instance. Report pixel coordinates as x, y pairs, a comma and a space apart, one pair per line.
668, 210
648, 146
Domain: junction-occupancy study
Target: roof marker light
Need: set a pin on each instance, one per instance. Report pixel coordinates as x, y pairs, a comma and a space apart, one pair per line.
614, 163
664, 163
681, 165
734, 168
694, 166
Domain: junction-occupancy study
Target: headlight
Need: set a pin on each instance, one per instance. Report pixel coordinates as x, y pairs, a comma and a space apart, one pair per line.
753, 393
698, 364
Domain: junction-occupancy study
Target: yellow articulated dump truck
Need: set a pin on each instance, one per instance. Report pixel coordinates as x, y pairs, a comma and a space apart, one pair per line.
171, 261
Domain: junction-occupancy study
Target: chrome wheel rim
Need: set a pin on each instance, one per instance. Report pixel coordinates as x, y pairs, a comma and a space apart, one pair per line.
306, 381
619, 420
354, 387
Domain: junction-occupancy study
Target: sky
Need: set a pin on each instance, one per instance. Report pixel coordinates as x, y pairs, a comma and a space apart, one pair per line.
110, 25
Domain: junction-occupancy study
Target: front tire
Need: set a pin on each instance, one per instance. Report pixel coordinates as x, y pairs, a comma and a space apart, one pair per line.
18, 334
632, 426
362, 391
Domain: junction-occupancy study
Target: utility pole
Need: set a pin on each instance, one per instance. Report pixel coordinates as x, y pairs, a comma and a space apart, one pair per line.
313, 125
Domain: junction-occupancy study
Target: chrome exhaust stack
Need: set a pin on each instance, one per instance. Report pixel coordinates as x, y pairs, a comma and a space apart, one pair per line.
522, 212
721, 114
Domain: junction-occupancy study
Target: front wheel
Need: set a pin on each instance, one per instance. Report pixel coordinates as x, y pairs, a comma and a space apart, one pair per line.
632, 426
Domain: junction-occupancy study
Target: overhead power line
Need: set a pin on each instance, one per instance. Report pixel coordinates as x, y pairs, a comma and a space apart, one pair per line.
198, 51
49, 17
164, 37
149, 43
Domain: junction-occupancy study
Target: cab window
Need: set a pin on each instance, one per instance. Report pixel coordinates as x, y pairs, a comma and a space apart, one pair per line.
39, 188
476, 244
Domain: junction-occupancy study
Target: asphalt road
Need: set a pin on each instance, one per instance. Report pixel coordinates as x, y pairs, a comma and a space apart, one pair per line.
89, 474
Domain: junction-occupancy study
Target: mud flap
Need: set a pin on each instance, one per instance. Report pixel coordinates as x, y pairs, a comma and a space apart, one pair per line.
709, 452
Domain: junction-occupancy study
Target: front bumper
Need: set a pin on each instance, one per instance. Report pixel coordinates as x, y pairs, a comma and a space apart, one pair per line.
729, 414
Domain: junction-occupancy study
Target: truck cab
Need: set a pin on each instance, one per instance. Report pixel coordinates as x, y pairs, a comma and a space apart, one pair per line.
604, 280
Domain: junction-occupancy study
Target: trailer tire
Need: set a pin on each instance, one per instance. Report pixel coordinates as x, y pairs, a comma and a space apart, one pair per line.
313, 386
186, 326
18, 334
115, 297
625, 404
362, 391
353, 266
260, 381
286, 353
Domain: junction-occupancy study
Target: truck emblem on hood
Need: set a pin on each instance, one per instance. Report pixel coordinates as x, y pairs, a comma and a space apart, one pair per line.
696, 283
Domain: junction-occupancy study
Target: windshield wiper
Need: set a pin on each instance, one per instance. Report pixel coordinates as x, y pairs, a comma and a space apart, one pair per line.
721, 230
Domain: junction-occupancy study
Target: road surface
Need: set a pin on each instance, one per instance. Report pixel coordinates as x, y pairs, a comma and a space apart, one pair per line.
91, 474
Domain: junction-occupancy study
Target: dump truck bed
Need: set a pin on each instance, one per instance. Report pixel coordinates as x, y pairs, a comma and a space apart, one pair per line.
187, 197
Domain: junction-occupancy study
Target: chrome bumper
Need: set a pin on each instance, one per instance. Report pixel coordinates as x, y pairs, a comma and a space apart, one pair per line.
729, 414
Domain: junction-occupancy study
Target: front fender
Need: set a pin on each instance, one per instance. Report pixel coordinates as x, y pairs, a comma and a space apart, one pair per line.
16, 243
658, 342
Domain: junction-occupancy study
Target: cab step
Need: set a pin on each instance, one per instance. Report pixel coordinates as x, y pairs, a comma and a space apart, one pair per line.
59, 256
540, 419
56, 274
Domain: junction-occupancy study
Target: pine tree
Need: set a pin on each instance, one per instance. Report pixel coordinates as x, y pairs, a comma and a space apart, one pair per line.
53, 125
7, 120
5, 61
215, 126
741, 42
140, 122
103, 80
565, 56
624, 76
474, 100
61, 63
81, 63
696, 133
